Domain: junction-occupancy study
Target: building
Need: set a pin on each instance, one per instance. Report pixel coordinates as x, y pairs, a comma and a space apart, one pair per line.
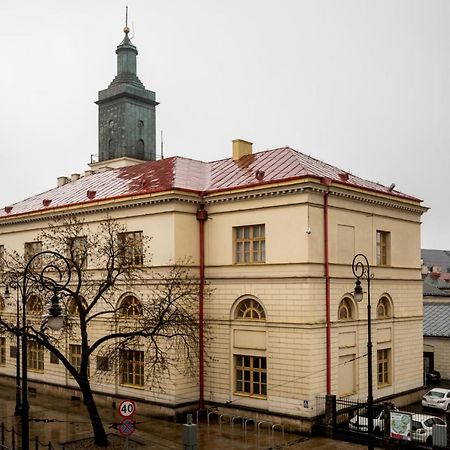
436, 311
275, 233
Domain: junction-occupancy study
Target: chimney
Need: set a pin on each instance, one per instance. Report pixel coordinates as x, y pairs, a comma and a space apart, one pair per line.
61, 181
75, 177
241, 148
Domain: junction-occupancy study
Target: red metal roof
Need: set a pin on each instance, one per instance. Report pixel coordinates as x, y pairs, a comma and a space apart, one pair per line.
274, 166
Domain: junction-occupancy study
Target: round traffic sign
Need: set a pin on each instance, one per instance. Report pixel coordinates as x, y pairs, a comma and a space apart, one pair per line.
126, 427
127, 408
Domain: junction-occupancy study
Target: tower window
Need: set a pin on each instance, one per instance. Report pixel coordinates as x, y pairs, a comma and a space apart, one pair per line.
140, 147
141, 124
110, 149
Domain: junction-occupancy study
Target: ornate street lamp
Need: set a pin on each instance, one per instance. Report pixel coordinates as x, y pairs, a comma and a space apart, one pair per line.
361, 269
10, 282
54, 276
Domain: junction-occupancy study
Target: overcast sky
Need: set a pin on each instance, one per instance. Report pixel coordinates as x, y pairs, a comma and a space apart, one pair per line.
362, 85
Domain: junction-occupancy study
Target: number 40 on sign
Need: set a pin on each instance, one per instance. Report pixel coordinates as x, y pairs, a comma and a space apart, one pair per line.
127, 408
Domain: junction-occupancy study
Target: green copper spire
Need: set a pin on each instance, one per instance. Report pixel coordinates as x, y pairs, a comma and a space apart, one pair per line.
126, 113
126, 62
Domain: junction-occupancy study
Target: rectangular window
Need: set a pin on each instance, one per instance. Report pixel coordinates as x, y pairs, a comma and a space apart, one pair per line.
251, 375
132, 367
250, 244
2, 257
35, 356
102, 363
2, 351
131, 248
384, 367
75, 356
54, 359
383, 248
13, 351
31, 249
78, 251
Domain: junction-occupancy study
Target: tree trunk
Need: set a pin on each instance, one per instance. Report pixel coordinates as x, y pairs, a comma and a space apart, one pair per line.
97, 426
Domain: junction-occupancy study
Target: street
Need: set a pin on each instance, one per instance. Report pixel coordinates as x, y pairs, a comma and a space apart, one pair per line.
62, 421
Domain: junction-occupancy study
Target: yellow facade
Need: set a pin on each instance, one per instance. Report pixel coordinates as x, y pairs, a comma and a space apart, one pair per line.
289, 285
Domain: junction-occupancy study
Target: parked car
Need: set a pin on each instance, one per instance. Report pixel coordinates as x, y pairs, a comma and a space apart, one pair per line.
360, 421
438, 398
433, 376
422, 427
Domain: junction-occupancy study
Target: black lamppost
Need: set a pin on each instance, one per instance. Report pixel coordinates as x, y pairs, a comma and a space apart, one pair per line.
13, 284
53, 276
361, 269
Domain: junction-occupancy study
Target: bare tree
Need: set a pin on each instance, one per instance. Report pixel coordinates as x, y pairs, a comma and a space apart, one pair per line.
104, 262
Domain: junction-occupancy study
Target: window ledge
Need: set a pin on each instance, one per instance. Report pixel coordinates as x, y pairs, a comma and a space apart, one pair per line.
257, 397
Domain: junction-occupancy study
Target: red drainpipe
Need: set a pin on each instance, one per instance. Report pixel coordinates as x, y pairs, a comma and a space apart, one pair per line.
327, 182
202, 217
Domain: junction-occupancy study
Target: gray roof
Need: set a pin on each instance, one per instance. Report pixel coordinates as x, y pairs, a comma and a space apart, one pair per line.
433, 287
437, 258
432, 291
436, 319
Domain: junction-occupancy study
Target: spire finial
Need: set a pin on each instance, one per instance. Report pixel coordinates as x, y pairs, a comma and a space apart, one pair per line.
126, 29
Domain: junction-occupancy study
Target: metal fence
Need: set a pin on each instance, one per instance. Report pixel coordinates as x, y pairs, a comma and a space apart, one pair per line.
347, 419
10, 439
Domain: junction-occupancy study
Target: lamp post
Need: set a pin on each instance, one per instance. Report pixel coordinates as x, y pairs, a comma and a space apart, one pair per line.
53, 276
361, 269
11, 283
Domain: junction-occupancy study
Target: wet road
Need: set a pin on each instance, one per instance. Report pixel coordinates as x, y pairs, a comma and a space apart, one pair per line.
60, 420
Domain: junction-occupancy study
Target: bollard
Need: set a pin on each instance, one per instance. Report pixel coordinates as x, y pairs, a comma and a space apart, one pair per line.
189, 434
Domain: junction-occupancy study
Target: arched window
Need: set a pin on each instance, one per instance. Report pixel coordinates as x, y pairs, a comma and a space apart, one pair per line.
130, 306
140, 148
346, 309
250, 309
384, 309
34, 305
72, 307
111, 149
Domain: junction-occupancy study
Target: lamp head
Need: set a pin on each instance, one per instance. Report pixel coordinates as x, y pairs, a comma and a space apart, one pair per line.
358, 292
55, 317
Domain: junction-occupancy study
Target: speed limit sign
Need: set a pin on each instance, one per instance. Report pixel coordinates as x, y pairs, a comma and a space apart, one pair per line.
127, 408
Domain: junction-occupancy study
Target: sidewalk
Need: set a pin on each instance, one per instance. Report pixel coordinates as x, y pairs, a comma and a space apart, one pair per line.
58, 420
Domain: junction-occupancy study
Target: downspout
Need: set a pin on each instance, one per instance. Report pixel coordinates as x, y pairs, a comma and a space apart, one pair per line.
202, 217
327, 182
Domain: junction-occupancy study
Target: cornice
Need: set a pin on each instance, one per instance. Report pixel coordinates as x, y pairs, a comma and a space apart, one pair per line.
306, 185
103, 206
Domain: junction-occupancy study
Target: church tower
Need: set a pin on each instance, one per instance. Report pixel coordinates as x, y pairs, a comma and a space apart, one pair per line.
126, 111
